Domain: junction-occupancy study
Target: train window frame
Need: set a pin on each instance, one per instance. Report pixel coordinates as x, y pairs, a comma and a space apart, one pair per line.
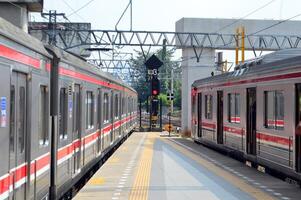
63, 135
129, 105
116, 106
89, 101
43, 122
106, 100
22, 118
76, 109
208, 106
234, 102
274, 110
123, 107
99, 107
13, 100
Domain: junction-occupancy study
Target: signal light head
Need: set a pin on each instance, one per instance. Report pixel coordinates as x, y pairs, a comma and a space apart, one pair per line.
155, 92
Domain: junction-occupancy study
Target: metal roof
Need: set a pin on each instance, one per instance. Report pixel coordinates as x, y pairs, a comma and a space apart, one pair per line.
284, 59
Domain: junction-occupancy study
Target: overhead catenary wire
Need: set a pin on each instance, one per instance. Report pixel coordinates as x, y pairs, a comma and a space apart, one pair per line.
252, 34
82, 7
73, 10
245, 16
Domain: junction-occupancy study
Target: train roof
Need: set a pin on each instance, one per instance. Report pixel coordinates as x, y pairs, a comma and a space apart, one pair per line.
17, 35
85, 66
279, 60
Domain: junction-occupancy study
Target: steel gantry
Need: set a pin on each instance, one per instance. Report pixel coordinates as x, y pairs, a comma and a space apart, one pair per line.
173, 39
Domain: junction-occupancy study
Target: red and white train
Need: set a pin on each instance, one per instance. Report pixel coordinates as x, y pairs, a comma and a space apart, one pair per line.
254, 112
59, 117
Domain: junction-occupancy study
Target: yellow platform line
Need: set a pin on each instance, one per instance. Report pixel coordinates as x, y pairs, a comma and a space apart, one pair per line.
140, 186
234, 180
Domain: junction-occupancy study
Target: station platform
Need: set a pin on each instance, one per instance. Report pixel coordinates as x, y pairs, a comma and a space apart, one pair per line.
157, 167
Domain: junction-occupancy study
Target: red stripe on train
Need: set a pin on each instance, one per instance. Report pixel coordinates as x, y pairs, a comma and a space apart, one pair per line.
4, 184
274, 139
12, 54
238, 131
279, 123
235, 119
208, 125
19, 173
73, 74
91, 137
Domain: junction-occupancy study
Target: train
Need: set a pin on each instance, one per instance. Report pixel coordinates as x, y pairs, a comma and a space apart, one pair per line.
253, 113
59, 116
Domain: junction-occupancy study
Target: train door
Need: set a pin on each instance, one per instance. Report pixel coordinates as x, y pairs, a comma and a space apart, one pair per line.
76, 127
298, 128
18, 132
199, 115
251, 121
220, 121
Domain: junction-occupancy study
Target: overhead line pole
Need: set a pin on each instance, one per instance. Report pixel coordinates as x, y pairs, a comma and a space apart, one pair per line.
52, 17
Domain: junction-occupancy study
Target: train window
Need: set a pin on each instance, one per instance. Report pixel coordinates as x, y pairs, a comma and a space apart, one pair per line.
129, 105
106, 107
274, 110
43, 116
63, 110
89, 110
116, 107
123, 106
208, 106
234, 108
76, 113
22, 120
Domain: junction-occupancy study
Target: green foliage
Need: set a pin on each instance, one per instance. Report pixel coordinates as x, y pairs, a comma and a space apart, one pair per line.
164, 100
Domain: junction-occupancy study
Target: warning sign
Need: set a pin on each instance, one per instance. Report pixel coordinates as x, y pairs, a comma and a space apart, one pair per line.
3, 114
168, 127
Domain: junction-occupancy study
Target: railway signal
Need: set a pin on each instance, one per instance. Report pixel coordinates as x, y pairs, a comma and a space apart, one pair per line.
155, 87
153, 64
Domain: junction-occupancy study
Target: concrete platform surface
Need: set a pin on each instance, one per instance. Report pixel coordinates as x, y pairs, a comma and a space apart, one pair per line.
148, 166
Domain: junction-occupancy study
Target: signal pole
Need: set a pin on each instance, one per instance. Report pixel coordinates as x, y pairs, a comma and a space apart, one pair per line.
171, 89
153, 64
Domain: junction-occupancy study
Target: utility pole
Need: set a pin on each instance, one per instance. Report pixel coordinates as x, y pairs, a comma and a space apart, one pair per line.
52, 17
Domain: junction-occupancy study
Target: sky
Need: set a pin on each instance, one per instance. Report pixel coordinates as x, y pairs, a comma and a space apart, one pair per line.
161, 15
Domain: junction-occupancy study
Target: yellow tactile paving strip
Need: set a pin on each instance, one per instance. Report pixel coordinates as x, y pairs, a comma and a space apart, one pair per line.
140, 186
234, 180
115, 178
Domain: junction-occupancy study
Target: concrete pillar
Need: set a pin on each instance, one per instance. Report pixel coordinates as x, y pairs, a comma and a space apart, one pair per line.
15, 14
191, 71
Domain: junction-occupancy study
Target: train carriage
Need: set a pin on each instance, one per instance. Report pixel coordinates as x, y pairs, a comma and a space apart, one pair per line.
50, 95
254, 112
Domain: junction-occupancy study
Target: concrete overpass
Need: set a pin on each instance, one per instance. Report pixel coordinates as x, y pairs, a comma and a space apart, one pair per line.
285, 35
